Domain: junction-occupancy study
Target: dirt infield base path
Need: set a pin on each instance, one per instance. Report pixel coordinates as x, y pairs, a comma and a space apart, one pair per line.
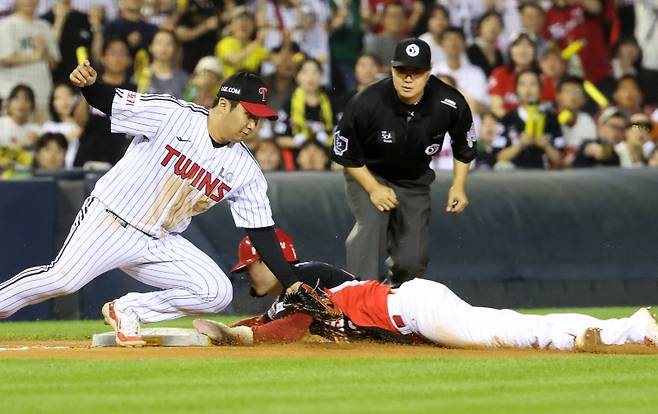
307, 349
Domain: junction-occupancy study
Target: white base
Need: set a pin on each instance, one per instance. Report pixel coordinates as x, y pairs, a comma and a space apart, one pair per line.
158, 337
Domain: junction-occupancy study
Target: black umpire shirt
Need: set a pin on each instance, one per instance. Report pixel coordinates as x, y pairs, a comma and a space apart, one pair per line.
397, 141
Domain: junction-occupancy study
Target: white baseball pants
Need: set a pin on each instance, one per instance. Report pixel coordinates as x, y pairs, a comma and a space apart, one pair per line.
191, 282
435, 312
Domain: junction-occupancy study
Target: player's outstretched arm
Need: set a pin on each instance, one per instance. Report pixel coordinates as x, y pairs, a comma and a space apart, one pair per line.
266, 244
99, 95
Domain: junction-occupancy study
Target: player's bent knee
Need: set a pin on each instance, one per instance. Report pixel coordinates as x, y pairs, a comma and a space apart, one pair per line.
60, 284
219, 296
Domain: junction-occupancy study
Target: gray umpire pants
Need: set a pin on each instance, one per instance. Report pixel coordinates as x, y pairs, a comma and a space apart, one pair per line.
400, 236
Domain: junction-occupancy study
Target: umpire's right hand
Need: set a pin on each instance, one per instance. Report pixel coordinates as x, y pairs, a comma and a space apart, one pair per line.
83, 75
384, 198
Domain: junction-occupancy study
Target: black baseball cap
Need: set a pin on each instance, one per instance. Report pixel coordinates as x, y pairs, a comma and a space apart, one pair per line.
412, 52
250, 91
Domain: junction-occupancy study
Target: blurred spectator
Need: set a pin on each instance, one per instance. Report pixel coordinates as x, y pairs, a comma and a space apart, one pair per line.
315, 37
62, 106
471, 80
540, 147
162, 13
243, 49
577, 125
6, 7
281, 83
268, 155
484, 51
633, 149
345, 41
553, 68
413, 10
71, 30
282, 20
601, 150
115, 64
366, 71
28, 51
653, 159
646, 33
308, 113
502, 82
162, 76
312, 156
50, 154
198, 31
383, 44
532, 21
467, 13
628, 95
204, 85
131, 26
96, 142
489, 139
626, 58
108, 8
438, 21
16, 130
568, 21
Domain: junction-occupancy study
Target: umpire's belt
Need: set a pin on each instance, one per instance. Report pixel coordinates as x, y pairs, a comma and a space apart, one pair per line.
395, 315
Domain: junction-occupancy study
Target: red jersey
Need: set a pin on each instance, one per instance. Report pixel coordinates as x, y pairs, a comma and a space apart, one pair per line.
565, 25
502, 82
364, 303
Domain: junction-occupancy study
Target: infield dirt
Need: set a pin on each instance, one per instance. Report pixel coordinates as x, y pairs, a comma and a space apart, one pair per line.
81, 350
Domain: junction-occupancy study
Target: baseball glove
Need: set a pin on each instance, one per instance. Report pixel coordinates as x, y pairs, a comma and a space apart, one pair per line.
303, 298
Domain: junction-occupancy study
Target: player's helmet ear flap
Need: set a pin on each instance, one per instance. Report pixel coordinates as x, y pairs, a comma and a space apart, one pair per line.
247, 253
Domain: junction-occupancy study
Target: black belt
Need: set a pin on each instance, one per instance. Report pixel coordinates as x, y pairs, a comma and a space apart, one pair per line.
125, 224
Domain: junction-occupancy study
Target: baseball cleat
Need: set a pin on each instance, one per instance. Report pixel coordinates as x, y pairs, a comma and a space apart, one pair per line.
126, 327
589, 340
220, 333
647, 322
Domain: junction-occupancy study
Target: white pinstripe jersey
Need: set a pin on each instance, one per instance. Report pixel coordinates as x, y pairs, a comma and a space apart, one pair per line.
171, 171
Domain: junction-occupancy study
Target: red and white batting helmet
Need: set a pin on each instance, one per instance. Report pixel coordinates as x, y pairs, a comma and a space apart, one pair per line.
247, 253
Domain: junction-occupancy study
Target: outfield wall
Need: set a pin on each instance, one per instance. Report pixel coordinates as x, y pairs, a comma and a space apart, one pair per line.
528, 239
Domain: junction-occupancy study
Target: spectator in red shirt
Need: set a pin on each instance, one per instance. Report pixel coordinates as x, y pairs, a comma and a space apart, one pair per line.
503, 79
568, 21
553, 69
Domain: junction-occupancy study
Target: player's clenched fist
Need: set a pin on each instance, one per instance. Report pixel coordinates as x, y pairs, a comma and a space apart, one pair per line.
83, 75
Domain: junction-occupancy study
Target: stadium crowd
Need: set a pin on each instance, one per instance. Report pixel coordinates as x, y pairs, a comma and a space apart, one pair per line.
552, 84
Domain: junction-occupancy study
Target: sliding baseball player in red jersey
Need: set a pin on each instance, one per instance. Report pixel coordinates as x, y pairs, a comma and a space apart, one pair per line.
183, 160
424, 310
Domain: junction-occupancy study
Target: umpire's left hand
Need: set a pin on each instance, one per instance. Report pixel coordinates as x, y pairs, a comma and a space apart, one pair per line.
457, 200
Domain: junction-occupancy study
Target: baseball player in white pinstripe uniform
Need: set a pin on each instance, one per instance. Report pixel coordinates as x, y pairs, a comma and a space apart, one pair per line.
183, 160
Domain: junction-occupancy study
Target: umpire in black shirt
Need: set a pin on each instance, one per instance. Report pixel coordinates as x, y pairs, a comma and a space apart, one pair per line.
385, 140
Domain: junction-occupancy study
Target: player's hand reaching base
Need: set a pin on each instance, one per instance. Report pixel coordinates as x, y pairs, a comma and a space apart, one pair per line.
83, 75
457, 200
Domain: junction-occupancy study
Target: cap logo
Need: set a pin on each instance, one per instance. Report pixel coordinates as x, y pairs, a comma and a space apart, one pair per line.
263, 92
230, 89
413, 50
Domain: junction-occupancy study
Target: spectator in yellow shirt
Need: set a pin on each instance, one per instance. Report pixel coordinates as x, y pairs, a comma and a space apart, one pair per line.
242, 49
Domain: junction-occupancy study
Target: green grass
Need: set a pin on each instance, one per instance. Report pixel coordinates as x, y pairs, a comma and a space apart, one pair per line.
582, 384
586, 384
